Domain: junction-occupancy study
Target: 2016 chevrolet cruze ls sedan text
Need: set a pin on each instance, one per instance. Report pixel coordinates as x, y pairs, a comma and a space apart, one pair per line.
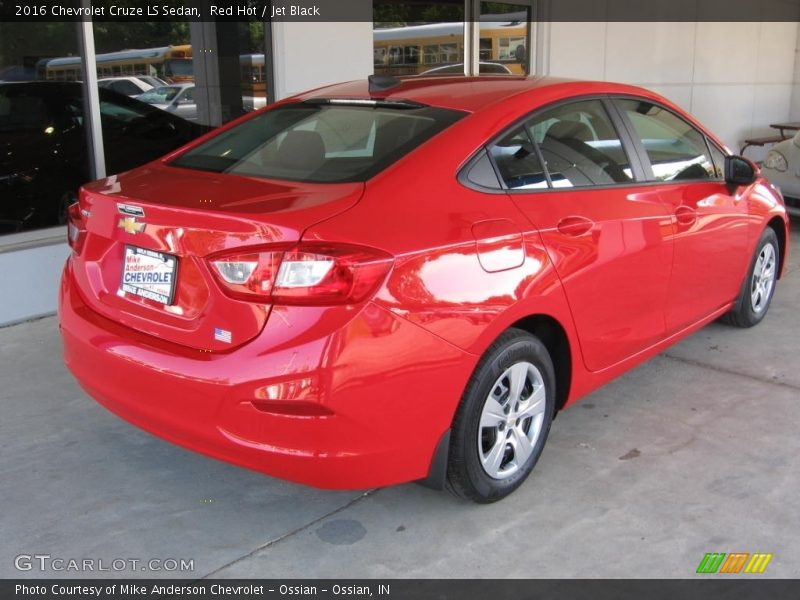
381, 282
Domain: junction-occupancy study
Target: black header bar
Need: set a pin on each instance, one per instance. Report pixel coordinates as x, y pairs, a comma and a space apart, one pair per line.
362, 10
701, 588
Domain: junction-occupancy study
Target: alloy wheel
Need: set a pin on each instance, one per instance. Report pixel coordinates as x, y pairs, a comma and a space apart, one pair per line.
763, 279
511, 420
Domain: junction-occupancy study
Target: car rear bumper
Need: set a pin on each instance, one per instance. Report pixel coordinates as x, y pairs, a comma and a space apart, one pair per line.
363, 400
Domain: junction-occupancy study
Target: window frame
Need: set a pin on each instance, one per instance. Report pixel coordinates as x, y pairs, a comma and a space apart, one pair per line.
642, 151
620, 127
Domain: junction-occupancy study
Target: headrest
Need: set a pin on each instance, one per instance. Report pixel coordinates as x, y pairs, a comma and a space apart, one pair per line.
570, 130
301, 150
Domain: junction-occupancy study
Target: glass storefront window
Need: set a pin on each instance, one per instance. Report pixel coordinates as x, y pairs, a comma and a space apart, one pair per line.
413, 38
504, 38
149, 103
42, 150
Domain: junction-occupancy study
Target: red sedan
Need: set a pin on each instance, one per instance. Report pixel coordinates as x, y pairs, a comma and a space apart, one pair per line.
381, 282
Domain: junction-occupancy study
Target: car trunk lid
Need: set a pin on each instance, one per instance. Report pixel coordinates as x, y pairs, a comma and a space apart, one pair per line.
148, 216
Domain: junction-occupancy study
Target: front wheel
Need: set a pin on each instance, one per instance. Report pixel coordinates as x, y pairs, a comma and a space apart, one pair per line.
756, 294
503, 420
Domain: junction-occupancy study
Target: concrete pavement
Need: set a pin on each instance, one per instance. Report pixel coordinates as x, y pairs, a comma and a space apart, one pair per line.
696, 451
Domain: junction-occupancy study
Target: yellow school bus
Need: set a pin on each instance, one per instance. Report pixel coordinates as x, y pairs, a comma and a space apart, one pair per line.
170, 63
431, 48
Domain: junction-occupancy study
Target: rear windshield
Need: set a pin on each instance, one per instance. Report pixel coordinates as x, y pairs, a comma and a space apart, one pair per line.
319, 143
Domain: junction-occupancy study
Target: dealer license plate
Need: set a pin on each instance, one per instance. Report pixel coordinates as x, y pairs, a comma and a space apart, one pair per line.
149, 274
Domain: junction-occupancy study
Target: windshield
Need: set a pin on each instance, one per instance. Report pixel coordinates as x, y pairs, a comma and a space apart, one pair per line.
160, 95
319, 142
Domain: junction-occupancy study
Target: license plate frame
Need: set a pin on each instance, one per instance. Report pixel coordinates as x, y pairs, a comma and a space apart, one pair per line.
147, 261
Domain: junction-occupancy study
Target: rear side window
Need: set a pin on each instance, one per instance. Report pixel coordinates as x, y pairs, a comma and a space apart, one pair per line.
518, 161
677, 151
319, 142
481, 173
580, 146
572, 145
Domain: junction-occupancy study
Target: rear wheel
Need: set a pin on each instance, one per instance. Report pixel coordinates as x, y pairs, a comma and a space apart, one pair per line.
756, 294
503, 420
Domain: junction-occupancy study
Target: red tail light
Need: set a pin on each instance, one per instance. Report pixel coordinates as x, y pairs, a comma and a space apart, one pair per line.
76, 228
312, 273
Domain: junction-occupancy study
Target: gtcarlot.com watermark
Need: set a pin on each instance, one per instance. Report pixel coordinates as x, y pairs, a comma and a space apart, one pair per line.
49, 563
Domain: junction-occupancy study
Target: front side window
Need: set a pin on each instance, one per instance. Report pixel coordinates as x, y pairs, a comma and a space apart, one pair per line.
319, 142
719, 160
677, 151
580, 146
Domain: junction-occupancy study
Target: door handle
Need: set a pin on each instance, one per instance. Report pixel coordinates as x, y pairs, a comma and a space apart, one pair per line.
575, 226
686, 215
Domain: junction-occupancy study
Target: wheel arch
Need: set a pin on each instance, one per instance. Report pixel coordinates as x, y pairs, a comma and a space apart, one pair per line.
554, 337
778, 225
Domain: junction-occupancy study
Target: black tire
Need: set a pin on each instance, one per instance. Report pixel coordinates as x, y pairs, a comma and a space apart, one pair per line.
744, 313
466, 475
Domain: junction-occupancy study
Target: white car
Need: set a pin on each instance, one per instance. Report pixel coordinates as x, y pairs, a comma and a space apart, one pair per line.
130, 86
177, 98
782, 168
485, 68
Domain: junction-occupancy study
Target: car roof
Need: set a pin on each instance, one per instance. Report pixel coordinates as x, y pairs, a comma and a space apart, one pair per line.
118, 78
467, 93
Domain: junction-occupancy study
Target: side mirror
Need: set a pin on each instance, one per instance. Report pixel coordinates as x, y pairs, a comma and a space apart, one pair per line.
740, 170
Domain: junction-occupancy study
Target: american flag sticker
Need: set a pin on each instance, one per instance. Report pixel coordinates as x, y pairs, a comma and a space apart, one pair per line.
222, 335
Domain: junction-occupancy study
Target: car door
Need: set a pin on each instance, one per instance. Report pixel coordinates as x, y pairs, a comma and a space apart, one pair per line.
569, 172
709, 219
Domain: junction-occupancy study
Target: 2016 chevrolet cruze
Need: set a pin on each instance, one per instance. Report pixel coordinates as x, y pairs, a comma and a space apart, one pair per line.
381, 282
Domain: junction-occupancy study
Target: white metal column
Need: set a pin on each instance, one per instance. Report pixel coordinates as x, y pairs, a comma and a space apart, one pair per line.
91, 98
472, 37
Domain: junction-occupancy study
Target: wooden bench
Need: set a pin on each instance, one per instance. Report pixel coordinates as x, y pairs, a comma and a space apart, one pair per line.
762, 141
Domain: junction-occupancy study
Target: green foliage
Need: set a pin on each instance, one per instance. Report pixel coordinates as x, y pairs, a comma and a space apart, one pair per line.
22, 43
400, 14
110, 37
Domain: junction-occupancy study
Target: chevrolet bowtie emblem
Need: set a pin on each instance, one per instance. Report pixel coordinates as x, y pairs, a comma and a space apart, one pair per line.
130, 225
